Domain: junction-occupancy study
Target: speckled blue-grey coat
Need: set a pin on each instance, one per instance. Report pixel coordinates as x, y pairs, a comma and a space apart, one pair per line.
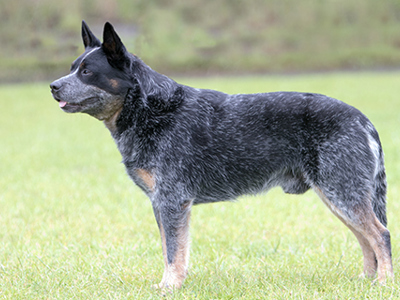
185, 146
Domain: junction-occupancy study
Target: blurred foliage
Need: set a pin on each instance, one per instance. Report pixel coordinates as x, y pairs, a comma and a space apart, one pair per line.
40, 38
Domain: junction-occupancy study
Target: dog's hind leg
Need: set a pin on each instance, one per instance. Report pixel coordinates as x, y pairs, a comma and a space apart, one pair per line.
370, 262
374, 238
173, 223
379, 239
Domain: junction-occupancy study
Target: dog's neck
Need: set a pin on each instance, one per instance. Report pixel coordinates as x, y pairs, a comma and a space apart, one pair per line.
152, 82
111, 123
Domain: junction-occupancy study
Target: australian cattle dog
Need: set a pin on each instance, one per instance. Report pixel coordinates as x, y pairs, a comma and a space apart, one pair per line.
185, 146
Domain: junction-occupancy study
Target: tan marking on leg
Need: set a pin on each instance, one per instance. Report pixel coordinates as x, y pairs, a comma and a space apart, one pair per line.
370, 262
164, 250
181, 261
147, 177
374, 235
369, 235
176, 272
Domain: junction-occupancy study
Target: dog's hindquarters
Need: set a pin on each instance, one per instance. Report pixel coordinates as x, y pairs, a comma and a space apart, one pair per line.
351, 181
378, 198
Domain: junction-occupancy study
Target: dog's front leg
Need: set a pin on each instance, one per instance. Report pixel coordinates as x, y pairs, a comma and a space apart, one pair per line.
173, 222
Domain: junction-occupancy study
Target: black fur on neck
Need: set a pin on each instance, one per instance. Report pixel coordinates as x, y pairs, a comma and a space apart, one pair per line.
147, 115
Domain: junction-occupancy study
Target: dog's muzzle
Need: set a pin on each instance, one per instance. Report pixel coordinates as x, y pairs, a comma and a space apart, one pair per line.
55, 86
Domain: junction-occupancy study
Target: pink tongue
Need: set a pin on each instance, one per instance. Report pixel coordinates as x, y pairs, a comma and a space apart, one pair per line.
62, 104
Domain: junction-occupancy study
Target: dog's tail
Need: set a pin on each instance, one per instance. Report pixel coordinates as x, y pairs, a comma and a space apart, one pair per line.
379, 180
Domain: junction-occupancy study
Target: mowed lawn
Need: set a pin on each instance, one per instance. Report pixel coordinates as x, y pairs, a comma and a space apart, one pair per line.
73, 225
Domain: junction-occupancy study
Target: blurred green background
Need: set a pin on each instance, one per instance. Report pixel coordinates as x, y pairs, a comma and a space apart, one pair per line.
40, 38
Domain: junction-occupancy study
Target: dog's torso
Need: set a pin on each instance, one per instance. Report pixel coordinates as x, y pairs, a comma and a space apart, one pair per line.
213, 146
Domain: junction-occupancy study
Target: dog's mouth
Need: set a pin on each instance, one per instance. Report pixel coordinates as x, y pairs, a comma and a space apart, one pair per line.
70, 106
62, 104
77, 106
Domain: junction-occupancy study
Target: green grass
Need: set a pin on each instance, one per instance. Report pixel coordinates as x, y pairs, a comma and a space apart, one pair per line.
73, 226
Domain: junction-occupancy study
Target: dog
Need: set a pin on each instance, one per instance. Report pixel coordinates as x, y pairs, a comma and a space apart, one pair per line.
185, 146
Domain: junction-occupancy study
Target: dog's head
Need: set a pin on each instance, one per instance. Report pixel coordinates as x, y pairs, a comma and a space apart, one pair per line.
99, 78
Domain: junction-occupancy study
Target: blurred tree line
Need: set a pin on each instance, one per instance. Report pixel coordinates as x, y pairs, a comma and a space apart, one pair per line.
40, 38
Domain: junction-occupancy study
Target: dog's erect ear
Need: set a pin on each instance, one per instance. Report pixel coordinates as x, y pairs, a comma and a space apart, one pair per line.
89, 40
115, 51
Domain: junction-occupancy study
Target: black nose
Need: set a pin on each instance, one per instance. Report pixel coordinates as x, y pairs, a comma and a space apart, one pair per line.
56, 86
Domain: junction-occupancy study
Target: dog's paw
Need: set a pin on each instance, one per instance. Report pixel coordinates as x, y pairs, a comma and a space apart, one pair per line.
364, 276
163, 288
168, 286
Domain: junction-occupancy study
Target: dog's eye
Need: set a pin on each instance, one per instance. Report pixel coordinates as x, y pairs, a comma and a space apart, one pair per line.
86, 72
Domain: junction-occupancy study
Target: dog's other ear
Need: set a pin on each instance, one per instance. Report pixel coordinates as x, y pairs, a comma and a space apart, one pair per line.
89, 40
115, 51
